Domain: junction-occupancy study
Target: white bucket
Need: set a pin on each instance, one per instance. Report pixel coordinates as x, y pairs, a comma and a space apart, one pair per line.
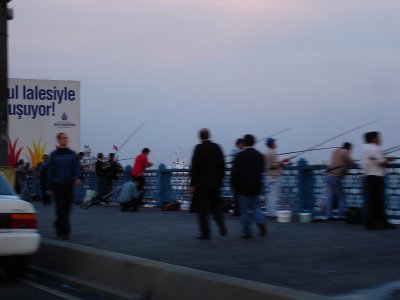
185, 205
284, 216
305, 217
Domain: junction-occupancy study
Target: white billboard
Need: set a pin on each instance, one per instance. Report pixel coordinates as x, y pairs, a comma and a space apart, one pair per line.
37, 111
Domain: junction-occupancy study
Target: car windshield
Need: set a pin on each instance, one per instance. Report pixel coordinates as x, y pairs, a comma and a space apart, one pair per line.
5, 187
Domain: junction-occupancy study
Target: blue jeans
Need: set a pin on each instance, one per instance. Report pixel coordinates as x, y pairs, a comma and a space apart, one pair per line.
335, 189
273, 196
249, 211
79, 194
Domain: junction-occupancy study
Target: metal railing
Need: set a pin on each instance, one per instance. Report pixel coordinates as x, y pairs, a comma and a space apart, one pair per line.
303, 187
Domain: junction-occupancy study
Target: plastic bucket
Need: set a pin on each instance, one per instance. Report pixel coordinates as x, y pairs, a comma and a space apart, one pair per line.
284, 216
305, 217
185, 205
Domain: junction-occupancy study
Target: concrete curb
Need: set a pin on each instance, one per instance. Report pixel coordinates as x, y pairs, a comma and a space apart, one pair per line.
121, 276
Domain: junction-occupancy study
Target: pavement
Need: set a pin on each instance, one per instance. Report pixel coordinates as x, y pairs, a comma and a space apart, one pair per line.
334, 259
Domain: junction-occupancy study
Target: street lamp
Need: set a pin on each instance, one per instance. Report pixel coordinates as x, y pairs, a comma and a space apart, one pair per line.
5, 15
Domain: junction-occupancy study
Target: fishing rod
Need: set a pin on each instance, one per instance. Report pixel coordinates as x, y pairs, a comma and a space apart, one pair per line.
333, 138
316, 149
125, 158
275, 134
385, 152
342, 166
397, 148
391, 150
131, 135
356, 161
168, 156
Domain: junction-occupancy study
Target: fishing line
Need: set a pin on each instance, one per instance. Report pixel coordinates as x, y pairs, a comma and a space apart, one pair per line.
275, 134
316, 149
131, 135
333, 138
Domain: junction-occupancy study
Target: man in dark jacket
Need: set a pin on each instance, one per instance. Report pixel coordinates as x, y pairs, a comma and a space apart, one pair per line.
63, 172
207, 173
42, 171
246, 181
99, 175
111, 169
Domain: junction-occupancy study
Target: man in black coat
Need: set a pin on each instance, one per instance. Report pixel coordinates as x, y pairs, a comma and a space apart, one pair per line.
246, 181
206, 176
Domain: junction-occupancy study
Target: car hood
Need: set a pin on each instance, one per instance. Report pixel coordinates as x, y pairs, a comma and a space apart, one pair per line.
12, 204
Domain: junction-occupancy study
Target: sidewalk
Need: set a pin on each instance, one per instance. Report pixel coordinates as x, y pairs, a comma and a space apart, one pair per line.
330, 258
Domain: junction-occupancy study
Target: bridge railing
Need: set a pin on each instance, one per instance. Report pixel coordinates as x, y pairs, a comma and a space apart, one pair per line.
303, 187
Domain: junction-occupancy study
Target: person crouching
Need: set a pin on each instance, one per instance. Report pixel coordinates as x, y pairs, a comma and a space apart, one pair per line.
129, 196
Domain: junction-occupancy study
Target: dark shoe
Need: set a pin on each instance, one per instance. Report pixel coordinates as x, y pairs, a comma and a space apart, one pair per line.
203, 237
223, 231
247, 237
262, 230
389, 226
372, 227
317, 220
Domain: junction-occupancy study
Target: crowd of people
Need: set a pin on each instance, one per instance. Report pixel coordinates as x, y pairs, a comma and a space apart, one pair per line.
61, 175
249, 167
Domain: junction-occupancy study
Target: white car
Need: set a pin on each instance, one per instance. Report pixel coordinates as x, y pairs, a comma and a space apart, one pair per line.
19, 237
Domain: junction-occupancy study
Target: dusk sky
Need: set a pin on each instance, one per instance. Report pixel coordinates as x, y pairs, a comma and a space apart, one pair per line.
234, 66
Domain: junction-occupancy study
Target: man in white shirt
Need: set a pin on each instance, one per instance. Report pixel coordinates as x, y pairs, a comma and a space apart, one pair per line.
274, 168
373, 164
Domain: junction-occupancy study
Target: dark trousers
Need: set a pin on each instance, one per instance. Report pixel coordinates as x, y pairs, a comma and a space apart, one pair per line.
63, 197
208, 201
374, 201
236, 211
193, 204
131, 205
45, 198
140, 186
107, 189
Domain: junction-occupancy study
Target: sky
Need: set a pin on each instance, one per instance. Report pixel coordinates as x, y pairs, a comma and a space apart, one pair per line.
320, 68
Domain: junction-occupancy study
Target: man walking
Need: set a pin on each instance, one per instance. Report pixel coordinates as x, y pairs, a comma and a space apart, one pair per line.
63, 172
207, 173
246, 181
239, 146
